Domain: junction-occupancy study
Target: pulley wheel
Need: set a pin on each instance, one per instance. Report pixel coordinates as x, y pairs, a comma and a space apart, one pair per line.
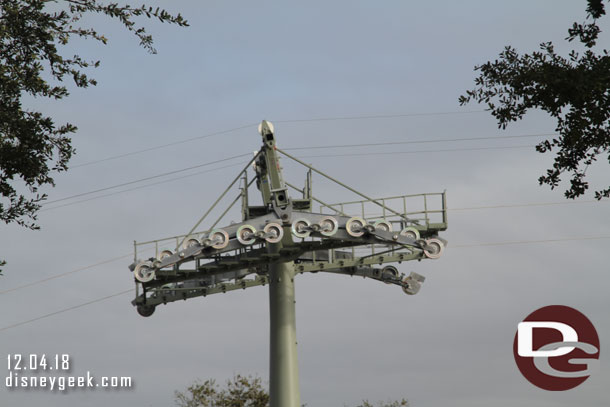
220, 238
328, 226
165, 253
190, 243
299, 227
144, 272
389, 273
383, 225
246, 234
410, 232
434, 248
355, 226
276, 230
146, 310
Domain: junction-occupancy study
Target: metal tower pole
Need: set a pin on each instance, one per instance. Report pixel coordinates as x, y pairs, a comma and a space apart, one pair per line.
262, 247
283, 364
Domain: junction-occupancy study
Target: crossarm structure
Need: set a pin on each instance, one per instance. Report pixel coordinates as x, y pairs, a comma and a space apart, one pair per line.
285, 237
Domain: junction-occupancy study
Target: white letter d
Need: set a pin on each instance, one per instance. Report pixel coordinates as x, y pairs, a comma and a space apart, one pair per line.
525, 338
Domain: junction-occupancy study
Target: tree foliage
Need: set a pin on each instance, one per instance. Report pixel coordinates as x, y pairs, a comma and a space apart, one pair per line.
241, 391
574, 90
396, 403
33, 34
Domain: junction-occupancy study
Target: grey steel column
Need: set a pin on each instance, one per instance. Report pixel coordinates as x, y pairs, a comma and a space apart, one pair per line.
284, 368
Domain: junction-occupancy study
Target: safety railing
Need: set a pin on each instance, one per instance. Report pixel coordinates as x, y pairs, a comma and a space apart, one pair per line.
422, 211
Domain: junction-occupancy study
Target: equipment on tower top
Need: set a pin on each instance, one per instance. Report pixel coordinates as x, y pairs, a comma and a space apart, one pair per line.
353, 238
284, 237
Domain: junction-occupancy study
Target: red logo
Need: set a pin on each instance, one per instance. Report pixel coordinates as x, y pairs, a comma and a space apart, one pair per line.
556, 348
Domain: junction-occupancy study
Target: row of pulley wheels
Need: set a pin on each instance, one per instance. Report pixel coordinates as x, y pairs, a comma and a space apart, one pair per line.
273, 233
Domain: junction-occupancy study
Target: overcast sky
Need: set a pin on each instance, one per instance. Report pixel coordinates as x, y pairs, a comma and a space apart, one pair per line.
239, 63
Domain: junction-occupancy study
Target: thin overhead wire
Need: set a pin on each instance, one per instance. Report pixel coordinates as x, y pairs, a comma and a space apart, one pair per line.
142, 186
67, 273
567, 239
201, 172
61, 311
472, 208
248, 154
114, 157
416, 151
218, 200
393, 143
294, 148
531, 204
523, 205
336, 181
379, 116
217, 133
147, 178
571, 239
